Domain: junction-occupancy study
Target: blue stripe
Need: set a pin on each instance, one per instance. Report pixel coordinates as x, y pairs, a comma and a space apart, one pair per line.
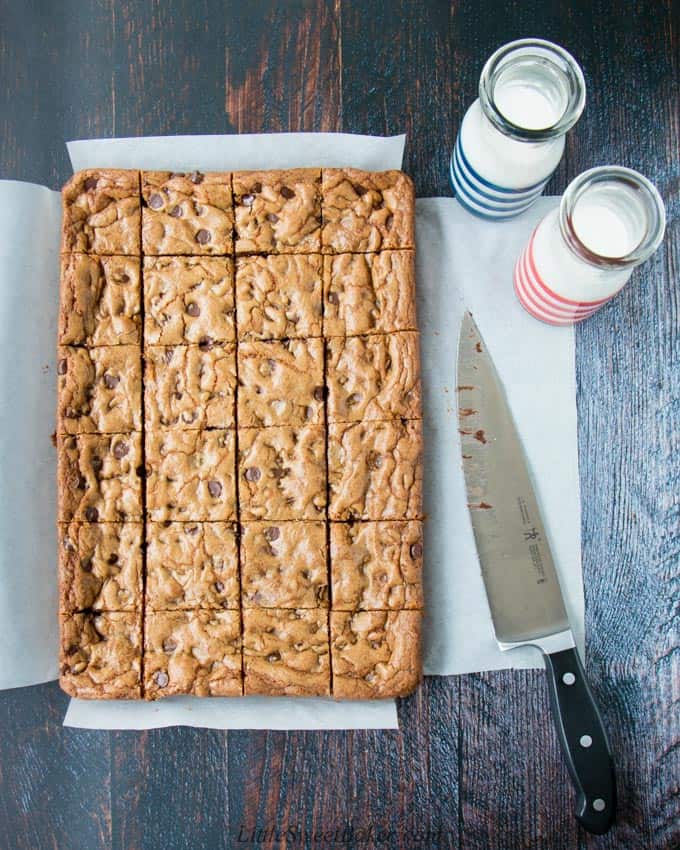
479, 214
495, 202
462, 190
490, 185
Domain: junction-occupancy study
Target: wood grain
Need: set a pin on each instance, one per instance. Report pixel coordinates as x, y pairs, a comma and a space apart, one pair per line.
475, 763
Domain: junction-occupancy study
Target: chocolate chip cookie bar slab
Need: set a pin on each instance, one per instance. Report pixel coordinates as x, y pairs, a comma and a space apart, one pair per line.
286, 652
375, 470
101, 212
373, 377
191, 565
282, 473
188, 300
190, 386
190, 475
279, 296
186, 213
100, 655
284, 565
99, 389
278, 211
192, 652
100, 567
281, 382
100, 300
375, 654
99, 477
369, 293
376, 565
366, 211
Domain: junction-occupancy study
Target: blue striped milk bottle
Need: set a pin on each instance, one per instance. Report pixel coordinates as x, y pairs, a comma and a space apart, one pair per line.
531, 92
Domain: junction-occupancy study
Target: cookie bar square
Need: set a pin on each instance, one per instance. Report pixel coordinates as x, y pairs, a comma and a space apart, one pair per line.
373, 377
190, 386
99, 477
100, 656
190, 475
278, 211
100, 566
367, 211
376, 565
284, 565
375, 654
186, 213
101, 209
280, 383
279, 296
188, 300
99, 389
282, 473
369, 293
192, 652
286, 652
191, 565
375, 470
100, 300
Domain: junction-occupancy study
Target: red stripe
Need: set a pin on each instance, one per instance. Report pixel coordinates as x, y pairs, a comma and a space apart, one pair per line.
542, 302
542, 283
525, 293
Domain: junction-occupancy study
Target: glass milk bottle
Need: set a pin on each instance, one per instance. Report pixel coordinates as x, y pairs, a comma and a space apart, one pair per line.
512, 137
581, 254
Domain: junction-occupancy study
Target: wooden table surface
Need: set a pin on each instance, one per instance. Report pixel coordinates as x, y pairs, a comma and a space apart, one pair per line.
475, 763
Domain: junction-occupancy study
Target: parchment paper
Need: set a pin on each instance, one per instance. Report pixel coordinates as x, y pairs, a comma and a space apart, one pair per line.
461, 260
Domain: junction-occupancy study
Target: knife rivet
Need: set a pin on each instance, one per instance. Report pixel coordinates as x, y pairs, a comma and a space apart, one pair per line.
585, 741
599, 804
568, 678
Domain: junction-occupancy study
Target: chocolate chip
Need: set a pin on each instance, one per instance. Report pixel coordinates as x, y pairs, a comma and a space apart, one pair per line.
257, 187
155, 201
214, 488
219, 586
360, 190
90, 183
197, 177
169, 645
122, 278
352, 399
279, 473
287, 193
333, 298
176, 211
319, 393
252, 474
193, 529
272, 217
203, 237
248, 200
272, 533
205, 343
62, 367
161, 678
388, 221
193, 309
96, 463
111, 381
81, 483
416, 550
120, 450
73, 648
113, 559
374, 644
273, 656
379, 204
86, 565
91, 514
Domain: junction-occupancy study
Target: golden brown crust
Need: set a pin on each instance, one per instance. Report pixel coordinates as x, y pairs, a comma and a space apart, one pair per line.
279, 297
189, 386
367, 211
191, 565
375, 654
192, 652
188, 300
100, 656
286, 653
101, 209
100, 300
376, 565
278, 211
374, 377
280, 383
283, 565
99, 389
186, 213
100, 566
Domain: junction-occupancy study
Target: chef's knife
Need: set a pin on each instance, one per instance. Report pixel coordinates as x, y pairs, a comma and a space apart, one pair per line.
519, 574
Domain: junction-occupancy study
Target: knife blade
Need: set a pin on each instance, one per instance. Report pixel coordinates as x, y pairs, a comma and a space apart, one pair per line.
519, 574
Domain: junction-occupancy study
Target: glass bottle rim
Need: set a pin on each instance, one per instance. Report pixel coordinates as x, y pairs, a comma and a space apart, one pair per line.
646, 192
547, 51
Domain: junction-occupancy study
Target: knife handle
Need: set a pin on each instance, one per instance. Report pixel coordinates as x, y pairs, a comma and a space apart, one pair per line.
583, 739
